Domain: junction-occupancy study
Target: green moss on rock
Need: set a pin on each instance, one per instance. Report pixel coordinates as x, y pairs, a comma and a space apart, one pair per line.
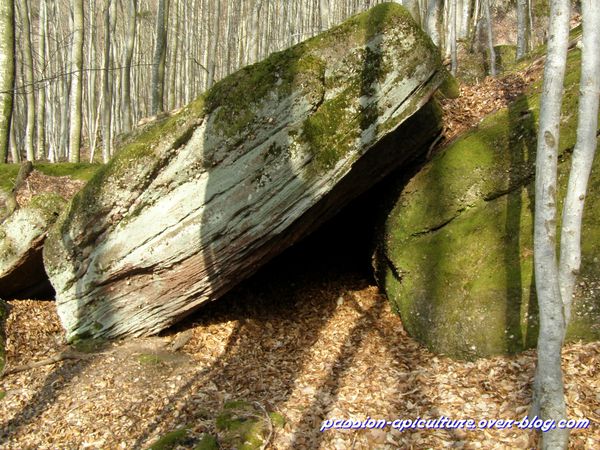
456, 258
171, 440
242, 425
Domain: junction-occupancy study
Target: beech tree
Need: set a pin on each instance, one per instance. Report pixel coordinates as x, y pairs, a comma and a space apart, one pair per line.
27, 70
76, 82
555, 282
160, 52
7, 73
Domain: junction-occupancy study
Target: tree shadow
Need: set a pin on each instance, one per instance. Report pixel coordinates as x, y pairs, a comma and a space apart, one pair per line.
522, 129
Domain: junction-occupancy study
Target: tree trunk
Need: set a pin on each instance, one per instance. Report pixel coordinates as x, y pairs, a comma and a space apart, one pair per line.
324, 14
549, 400
129, 46
7, 74
76, 85
522, 28
27, 68
214, 42
453, 51
160, 52
433, 20
106, 86
41, 108
490, 36
583, 155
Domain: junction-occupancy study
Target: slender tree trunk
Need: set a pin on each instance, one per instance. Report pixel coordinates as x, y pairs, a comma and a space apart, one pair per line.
212, 50
7, 74
160, 52
107, 86
490, 36
325, 13
27, 68
453, 51
129, 46
583, 155
41, 108
76, 84
433, 20
549, 400
522, 28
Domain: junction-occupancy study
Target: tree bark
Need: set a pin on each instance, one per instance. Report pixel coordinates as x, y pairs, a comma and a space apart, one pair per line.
107, 86
324, 10
76, 84
549, 401
129, 46
583, 155
7, 74
160, 52
41, 104
212, 52
522, 28
490, 37
433, 20
27, 68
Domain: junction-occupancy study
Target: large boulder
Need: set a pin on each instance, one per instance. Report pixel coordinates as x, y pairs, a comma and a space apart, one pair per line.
456, 257
22, 236
199, 200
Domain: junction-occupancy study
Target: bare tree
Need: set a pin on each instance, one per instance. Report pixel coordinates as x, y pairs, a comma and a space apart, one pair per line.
522, 28
128, 58
7, 73
160, 53
41, 100
212, 55
583, 155
27, 69
76, 84
549, 401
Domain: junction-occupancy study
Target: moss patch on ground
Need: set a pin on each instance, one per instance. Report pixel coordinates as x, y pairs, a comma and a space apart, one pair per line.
458, 244
244, 425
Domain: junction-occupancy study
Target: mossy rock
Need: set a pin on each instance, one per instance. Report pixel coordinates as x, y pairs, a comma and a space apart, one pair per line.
243, 425
506, 57
22, 237
456, 256
200, 199
172, 439
76, 171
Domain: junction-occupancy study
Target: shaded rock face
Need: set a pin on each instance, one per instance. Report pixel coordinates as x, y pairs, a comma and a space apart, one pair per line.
196, 202
456, 258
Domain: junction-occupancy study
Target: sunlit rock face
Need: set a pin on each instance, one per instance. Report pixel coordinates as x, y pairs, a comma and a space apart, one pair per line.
197, 201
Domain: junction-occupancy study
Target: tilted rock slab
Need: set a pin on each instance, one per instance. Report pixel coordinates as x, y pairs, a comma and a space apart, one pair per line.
22, 236
198, 201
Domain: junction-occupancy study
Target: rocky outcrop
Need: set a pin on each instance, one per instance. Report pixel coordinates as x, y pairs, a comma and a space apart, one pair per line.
456, 258
197, 201
22, 237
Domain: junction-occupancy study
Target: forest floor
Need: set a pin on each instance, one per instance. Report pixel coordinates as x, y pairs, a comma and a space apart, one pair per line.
309, 337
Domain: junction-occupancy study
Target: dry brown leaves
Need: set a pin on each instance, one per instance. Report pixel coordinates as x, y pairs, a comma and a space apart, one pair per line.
478, 100
310, 348
37, 183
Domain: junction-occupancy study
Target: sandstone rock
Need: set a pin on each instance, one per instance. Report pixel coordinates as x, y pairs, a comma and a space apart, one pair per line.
195, 202
22, 236
456, 258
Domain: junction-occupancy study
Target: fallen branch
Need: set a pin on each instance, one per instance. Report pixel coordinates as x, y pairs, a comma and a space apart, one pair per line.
62, 356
